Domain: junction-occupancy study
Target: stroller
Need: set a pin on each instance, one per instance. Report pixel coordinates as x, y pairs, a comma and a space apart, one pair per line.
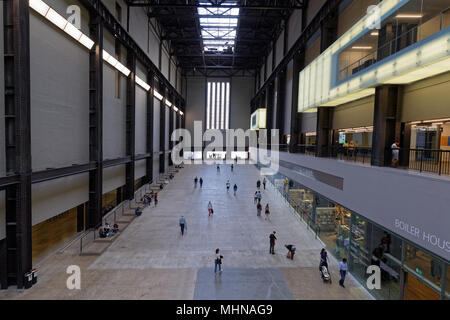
324, 272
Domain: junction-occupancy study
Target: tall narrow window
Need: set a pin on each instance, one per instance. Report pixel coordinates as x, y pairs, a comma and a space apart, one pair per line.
217, 104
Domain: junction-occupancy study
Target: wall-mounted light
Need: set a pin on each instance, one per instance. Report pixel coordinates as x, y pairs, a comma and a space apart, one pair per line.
374, 33
362, 47
116, 64
54, 17
175, 108
181, 113
168, 103
408, 16
142, 83
157, 95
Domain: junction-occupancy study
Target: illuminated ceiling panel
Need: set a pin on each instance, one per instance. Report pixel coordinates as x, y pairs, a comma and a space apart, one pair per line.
218, 26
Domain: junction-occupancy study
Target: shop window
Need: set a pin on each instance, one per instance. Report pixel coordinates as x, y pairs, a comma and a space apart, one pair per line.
447, 283
360, 257
334, 224
424, 265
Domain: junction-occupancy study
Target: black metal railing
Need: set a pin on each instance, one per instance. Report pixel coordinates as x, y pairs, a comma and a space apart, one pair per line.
428, 160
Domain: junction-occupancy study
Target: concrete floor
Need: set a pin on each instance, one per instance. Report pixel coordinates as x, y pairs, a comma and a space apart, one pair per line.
150, 259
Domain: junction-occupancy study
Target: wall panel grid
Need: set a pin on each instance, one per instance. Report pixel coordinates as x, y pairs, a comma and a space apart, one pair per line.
218, 104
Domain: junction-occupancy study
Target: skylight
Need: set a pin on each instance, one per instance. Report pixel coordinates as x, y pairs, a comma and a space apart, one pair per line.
218, 26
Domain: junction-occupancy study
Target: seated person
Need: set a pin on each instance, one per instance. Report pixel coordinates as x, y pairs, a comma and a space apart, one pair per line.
102, 232
116, 228
138, 212
107, 227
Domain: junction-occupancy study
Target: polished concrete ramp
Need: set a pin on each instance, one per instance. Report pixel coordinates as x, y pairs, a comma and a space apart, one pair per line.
242, 284
151, 260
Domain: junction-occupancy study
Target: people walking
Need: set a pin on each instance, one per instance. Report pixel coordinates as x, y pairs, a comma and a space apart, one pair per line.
228, 185
259, 196
235, 189
218, 261
343, 271
232, 167
255, 197
218, 168
258, 209
195, 182
201, 182
258, 184
210, 209
264, 183
272, 240
182, 223
323, 258
267, 212
156, 199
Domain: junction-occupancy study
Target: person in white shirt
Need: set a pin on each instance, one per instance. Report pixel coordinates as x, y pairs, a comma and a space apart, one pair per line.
218, 261
395, 153
343, 271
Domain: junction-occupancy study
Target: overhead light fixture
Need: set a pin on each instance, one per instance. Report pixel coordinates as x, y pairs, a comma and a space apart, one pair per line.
362, 47
115, 63
142, 83
181, 113
54, 17
168, 103
374, 33
408, 16
157, 95
39, 6
175, 108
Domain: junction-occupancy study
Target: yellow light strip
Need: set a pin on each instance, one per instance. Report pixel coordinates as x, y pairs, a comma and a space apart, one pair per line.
54, 17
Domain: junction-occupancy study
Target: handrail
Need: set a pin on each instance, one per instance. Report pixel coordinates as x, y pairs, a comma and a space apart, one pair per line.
362, 60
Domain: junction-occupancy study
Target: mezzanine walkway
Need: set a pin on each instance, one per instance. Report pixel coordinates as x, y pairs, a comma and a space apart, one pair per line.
150, 259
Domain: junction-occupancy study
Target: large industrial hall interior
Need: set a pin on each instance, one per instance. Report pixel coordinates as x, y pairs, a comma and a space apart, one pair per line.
225, 150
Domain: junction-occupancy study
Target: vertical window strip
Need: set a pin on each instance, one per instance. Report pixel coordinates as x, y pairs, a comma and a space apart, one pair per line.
213, 104
208, 106
227, 104
222, 108
218, 105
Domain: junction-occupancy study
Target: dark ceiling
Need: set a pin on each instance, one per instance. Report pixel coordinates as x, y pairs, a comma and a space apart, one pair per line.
259, 23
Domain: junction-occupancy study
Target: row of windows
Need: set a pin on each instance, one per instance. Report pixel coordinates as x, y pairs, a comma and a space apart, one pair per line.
218, 105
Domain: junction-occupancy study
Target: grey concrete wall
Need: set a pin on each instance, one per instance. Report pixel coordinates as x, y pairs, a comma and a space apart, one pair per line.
195, 102
241, 94
113, 178
309, 122
141, 114
54, 197
354, 114
59, 70
384, 195
114, 109
140, 169
279, 50
427, 99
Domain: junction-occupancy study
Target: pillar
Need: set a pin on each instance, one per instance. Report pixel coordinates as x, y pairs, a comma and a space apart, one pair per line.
324, 131
386, 124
